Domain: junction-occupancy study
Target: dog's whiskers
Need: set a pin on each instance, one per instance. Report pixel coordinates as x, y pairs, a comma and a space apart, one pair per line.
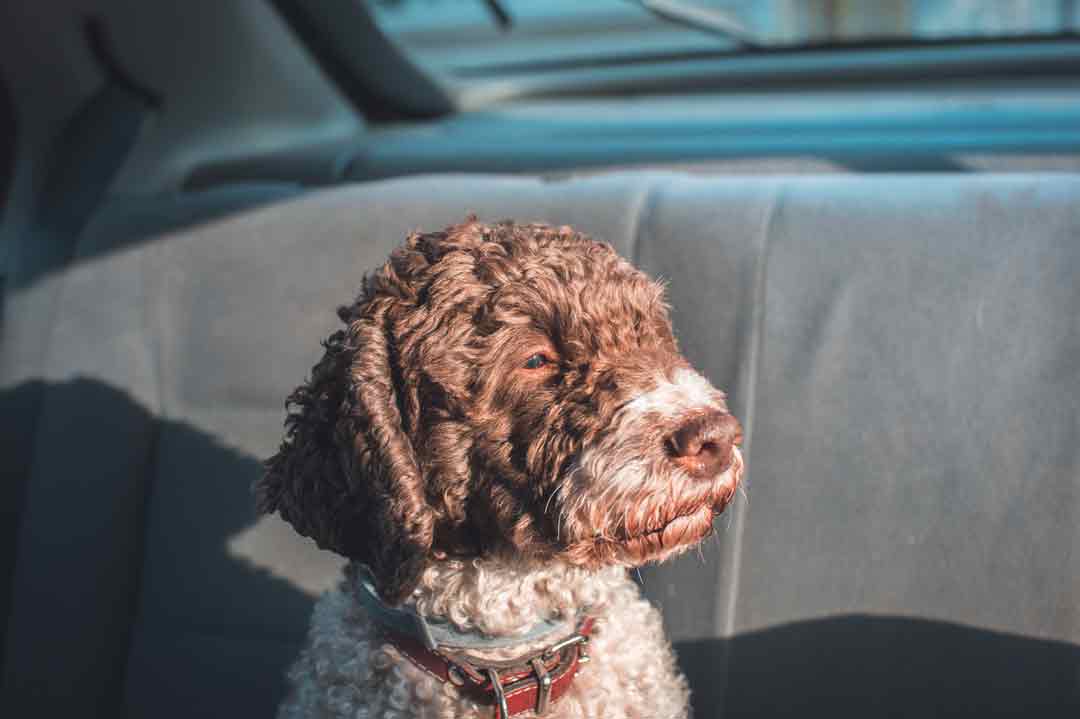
626, 519
547, 505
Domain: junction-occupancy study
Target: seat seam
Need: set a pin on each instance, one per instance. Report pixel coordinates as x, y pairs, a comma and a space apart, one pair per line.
643, 211
751, 362
149, 473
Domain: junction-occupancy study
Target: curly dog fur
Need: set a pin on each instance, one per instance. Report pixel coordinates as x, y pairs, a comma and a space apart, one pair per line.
503, 427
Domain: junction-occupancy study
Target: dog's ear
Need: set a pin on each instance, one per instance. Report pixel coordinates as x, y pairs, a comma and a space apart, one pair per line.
346, 474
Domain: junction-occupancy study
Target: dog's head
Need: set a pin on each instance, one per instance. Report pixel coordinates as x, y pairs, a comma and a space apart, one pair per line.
503, 388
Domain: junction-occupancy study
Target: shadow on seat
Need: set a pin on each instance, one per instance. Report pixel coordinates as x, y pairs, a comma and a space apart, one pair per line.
125, 594
860, 666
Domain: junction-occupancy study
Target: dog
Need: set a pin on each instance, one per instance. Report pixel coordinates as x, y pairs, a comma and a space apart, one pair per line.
504, 426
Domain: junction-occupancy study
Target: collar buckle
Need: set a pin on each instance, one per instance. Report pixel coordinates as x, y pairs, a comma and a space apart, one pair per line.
529, 682
500, 693
557, 647
543, 689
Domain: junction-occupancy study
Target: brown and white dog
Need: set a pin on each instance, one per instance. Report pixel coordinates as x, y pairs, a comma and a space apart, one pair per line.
504, 426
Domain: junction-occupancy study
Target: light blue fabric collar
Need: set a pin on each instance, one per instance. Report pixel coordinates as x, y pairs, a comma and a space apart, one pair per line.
436, 633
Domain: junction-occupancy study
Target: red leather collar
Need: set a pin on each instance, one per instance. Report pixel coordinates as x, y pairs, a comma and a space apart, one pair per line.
531, 682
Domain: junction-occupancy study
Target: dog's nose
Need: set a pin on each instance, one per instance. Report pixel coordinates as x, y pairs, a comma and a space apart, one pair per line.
703, 445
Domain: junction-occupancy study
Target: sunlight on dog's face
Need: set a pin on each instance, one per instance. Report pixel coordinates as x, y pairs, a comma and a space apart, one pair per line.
505, 388
593, 438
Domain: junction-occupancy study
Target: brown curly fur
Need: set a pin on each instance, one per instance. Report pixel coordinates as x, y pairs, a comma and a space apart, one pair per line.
426, 432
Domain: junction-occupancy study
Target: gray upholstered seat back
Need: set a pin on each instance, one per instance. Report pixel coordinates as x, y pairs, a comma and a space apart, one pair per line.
902, 350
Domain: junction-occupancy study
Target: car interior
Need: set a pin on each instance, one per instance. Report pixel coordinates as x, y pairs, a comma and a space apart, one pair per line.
867, 216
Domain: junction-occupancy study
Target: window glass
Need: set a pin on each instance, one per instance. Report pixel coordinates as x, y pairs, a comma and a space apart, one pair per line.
463, 37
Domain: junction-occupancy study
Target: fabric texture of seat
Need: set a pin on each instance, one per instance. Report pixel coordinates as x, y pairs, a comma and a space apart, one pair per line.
902, 350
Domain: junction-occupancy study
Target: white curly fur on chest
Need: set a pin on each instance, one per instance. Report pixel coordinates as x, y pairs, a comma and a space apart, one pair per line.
346, 670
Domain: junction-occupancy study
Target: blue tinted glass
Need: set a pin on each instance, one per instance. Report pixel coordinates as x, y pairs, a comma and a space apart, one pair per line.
459, 37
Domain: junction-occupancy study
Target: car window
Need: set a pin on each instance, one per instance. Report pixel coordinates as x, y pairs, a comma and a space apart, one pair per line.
480, 38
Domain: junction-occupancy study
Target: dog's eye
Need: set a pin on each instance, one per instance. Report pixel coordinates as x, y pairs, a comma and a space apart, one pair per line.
537, 361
